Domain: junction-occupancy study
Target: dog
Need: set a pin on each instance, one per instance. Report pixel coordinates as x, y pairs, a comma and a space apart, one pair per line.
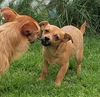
59, 44
9, 15
15, 37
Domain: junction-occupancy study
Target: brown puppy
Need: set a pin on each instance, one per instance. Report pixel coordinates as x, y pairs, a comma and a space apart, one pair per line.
59, 45
15, 38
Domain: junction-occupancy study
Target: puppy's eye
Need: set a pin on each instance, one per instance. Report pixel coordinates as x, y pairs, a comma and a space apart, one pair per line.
42, 25
46, 31
56, 37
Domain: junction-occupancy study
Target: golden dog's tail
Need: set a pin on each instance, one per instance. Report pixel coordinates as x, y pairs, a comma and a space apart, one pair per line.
83, 27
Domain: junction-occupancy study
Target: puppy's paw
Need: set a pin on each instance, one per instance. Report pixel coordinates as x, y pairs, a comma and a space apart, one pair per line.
57, 83
78, 69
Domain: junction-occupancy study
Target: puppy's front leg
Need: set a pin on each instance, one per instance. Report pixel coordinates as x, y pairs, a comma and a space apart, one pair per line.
44, 71
61, 73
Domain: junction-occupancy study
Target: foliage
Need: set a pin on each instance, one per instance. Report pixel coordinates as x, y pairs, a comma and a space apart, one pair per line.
67, 12
77, 12
1, 2
24, 7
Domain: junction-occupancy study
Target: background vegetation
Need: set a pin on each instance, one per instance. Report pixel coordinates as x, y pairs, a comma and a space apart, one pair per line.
22, 78
62, 12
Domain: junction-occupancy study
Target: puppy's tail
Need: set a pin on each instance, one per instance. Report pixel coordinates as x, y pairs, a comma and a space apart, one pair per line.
82, 29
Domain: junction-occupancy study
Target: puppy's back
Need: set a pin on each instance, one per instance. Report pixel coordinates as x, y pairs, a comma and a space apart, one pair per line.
76, 35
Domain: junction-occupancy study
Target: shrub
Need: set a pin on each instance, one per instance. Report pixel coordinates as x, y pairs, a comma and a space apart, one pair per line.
63, 12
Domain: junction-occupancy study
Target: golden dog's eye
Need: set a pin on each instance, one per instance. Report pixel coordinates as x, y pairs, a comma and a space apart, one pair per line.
46, 31
27, 33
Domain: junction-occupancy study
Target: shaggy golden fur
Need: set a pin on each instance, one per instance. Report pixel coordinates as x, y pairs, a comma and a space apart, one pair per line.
59, 45
15, 38
9, 14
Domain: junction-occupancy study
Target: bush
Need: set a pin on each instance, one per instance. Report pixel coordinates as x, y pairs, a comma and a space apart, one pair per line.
77, 12
63, 12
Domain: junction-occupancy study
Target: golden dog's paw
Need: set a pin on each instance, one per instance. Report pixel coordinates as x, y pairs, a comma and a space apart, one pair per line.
57, 83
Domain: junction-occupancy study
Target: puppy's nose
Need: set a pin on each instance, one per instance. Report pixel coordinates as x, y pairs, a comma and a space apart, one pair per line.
47, 38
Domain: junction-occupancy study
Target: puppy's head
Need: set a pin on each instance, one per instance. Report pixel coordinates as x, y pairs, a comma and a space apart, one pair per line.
29, 28
52, 35
8, 14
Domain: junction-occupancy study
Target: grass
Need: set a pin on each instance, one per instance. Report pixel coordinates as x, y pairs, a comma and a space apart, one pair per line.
21, 79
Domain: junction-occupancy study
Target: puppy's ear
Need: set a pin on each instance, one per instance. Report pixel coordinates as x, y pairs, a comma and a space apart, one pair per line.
8, 14
67, 37
43, 24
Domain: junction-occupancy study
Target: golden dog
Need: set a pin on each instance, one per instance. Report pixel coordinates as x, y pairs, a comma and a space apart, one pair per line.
15, 38
9, 14
59, 45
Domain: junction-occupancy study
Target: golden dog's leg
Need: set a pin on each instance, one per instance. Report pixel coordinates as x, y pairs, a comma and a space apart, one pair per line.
44, 71
79, 57
61, 73
4, 65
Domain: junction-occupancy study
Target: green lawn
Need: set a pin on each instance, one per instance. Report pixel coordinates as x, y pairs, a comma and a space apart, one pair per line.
22, 78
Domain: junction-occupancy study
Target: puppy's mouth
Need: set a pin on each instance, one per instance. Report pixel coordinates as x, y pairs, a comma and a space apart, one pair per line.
45, 43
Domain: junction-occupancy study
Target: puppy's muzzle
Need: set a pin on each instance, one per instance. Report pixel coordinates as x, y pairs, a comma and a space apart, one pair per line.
45, 41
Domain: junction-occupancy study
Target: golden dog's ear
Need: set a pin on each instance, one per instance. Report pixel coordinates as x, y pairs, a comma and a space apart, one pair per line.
43, 24
8, 14
28, 28
67, 37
